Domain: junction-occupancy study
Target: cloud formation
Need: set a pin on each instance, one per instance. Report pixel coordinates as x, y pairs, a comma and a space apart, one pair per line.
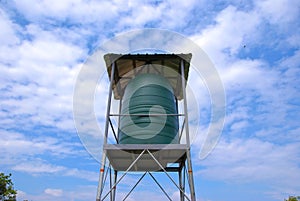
254, 45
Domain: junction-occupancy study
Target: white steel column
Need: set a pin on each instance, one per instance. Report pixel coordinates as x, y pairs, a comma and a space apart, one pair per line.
188, 153
103, 161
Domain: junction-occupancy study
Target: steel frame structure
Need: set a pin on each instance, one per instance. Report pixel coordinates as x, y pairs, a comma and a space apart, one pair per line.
133, 157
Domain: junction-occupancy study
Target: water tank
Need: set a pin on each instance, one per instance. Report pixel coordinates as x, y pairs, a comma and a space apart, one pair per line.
148, 94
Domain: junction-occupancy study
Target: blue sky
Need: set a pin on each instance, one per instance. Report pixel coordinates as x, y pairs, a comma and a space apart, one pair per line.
254, 45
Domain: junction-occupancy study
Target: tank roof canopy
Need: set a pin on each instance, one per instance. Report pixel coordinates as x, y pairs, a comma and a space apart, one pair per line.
127, 66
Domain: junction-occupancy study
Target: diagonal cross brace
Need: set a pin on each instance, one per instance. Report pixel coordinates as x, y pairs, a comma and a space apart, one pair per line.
158, 163
132, 164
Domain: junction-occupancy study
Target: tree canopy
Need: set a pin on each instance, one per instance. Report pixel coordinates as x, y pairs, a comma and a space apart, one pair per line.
293, 198
7, 192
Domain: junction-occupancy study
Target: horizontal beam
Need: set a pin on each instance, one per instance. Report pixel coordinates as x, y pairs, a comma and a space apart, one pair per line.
146, 115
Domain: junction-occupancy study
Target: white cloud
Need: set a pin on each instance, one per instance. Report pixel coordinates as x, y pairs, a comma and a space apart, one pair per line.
95, 15
260, 98
15, 144
47, 51
8, 30
253, 160
164, 14
39, 81
79, 193
228, 34
37, 168
142, 15
254, 88
82, 174
177, 13
78, 11
54, 192
279, 11
238, 126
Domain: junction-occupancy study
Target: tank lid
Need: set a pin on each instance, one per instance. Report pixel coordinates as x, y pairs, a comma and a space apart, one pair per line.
130, 65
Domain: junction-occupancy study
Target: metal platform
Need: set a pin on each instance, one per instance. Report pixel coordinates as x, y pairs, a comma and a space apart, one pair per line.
121, 156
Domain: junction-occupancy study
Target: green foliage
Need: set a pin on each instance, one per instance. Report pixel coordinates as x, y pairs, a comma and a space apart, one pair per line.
293, 198
7, 192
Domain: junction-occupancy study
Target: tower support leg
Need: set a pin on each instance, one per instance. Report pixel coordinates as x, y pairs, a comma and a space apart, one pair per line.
115, 186
188, 153
181, 185
103, 161
190, 176
101, 177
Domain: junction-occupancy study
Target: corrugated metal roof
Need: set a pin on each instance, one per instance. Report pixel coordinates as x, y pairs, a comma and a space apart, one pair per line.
130, 65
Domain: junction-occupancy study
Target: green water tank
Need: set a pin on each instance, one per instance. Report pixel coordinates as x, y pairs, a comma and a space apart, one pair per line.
148, 94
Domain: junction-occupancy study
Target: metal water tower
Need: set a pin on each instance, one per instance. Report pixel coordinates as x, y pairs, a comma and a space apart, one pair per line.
152, 131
